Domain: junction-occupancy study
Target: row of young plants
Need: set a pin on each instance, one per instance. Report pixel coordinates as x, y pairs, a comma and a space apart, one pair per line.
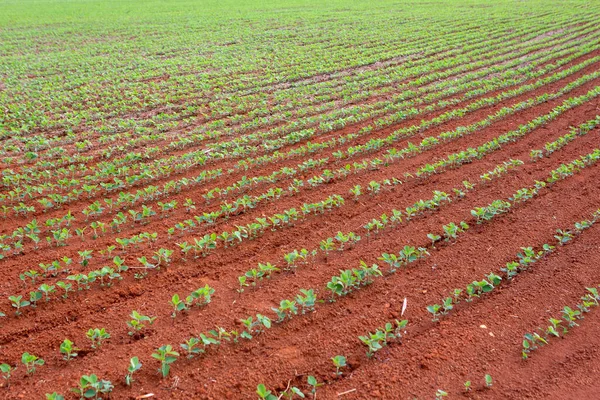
363, 276
377, 144
266, 269
523, 261
344, 285
425, 170
254, 275
574, 133
241, 86
130, 178
313, 147
411, 43
559, 327
201, 246
71, 137
97, 223
379, 339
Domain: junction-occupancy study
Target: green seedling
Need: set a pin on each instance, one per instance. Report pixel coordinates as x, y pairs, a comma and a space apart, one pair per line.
138, 320
467, 386
264, 394
134, 366
68, 350
314, 384
488, 381
18, 303
31, 362
7, 371
339, 362
97, 336
90, 387
167, 356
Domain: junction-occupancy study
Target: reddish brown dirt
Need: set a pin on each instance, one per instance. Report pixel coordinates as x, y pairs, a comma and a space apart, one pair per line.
431, 356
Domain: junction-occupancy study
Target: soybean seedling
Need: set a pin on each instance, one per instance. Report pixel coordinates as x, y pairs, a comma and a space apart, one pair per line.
314, 384
31, 362
6, 370
18, 303
97, 335
434, 238
167, 356
68, 350
488, 381
134, 366
91, 387
137, 321
467, 386
264, 394
339, 362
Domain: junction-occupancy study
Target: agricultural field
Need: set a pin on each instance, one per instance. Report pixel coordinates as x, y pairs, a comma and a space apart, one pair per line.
299, 199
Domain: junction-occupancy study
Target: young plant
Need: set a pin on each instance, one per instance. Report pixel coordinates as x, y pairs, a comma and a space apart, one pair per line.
314, 384
90, 387
167, 356
286, 309
434, 310
264, 394
467, 386
18, 303
434, 238
6, 371
306, 300
190, 347
134, 366
31, 362
178, 305
97, 336
488, 381
68, 350
138, 320
255, 327
339, 362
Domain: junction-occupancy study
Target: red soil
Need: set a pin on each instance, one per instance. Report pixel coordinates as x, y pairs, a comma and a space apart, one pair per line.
431, 356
